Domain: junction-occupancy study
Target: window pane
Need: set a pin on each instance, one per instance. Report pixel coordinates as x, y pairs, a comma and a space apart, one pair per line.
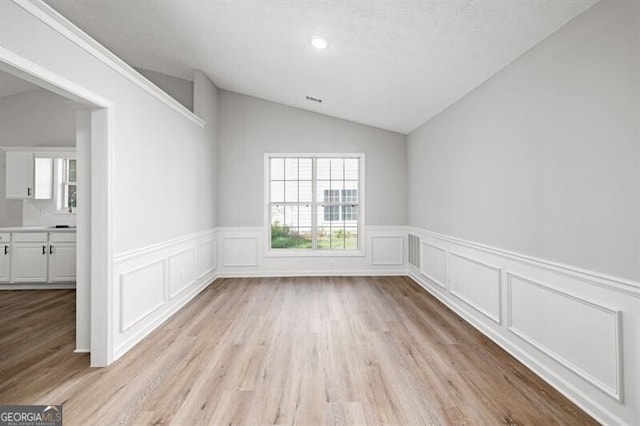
291, 216
337, 238
277, 216
305, 169
304, 216
351, 238
337, 185
351, 168
277, 169
277, 192
349, 196
285, 232
351, 184
350, 215
323, 238
305, 191
72, 171
322, 187
291, 191
337, 169
291, 169
73, 195
323, 166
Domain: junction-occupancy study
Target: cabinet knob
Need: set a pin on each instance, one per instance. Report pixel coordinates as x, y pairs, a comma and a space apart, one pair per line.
44, 249
28, 192
6, 250
51, 249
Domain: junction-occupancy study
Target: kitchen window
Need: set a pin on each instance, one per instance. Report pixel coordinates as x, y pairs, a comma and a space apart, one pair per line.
314, 203
65, 184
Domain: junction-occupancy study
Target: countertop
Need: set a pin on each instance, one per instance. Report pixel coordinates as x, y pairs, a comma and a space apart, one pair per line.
35, 229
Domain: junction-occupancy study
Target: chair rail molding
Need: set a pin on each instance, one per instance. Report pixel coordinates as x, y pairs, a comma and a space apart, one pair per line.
154, 282
577, 329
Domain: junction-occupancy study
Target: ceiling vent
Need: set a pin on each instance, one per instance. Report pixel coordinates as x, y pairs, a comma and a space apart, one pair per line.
312, 99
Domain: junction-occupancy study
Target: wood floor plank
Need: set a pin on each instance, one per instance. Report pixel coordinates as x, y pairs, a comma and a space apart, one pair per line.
325, 350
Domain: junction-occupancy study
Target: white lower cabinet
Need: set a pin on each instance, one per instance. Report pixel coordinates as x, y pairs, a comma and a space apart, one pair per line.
5, 259
29, 257
62, 262
38, 257
29, 262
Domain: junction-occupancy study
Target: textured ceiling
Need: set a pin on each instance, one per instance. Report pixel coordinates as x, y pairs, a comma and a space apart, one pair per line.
390, 64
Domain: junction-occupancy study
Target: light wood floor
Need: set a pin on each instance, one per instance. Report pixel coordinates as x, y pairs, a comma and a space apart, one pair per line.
278, 351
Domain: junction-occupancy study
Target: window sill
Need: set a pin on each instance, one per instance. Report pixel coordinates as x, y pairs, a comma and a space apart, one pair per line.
313, 253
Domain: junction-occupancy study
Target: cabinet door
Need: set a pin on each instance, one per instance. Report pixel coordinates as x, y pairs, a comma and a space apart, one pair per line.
19, 176
29, 262
62, 262
5, 262
43, 179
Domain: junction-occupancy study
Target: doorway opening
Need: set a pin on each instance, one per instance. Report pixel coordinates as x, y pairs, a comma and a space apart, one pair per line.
92, 188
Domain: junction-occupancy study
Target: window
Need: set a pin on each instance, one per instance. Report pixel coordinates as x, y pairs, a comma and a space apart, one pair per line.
66, 186
70, 187
313, 202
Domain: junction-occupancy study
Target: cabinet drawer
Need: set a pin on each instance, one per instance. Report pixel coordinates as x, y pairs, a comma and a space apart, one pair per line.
28, 237
5, 237
62, 237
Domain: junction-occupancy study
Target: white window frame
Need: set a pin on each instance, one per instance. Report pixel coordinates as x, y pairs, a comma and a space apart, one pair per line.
275, 252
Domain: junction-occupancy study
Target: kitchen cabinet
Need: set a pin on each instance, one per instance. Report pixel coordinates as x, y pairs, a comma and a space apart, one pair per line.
19, 174
28, 176
5, 257
43, 179
62, 258
29, 261
39, 257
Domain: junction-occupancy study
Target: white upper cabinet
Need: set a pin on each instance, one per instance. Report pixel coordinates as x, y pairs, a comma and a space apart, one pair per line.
20, 176
29, 175
43, 184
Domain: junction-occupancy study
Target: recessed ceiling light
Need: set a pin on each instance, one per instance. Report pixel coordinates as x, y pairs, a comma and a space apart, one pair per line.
319, 43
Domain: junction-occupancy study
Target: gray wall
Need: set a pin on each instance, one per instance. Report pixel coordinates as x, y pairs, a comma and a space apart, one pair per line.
179, 89
250, 127
37, 118
159, 156
206, 107
543, 158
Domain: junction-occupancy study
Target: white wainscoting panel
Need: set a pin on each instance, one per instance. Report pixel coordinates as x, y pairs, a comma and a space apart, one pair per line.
579, 330
206, 255
581, 335
477, 284
153, 282
239, 251
182, 271
433, 263
142, 291
387, 250
244, 251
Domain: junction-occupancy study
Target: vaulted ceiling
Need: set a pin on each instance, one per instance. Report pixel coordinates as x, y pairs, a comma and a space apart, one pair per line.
10, 85
389, 64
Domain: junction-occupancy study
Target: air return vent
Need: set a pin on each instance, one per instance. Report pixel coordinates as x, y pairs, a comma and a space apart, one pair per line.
414, 250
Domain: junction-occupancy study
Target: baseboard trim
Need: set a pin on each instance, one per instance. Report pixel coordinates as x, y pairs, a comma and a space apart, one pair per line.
586, 403
177, 304
323, 273
38, 286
